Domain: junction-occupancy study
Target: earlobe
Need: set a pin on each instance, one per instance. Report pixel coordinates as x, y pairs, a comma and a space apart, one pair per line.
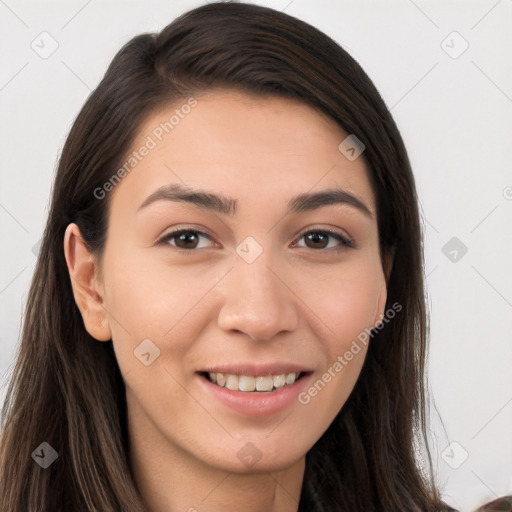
87, 290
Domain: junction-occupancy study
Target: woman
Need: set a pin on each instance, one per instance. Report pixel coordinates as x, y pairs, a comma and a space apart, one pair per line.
228, 308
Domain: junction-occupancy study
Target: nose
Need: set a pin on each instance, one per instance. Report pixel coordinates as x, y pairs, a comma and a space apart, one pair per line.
258, 299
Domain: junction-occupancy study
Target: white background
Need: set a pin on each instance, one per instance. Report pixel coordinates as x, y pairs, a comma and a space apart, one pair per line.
455, 115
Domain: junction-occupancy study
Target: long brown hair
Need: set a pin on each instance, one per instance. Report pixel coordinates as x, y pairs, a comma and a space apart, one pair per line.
67, 389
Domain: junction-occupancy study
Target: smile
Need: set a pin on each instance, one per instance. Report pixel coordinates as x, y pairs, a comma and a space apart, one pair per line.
255, 391
251, 384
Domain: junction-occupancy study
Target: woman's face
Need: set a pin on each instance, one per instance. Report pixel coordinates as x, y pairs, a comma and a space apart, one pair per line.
254, 290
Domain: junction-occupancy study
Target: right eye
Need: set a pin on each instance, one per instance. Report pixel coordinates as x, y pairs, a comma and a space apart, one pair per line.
185, 239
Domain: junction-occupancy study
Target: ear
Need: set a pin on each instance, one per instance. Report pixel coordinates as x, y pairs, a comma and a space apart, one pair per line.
83, 270
381, 304
387, 264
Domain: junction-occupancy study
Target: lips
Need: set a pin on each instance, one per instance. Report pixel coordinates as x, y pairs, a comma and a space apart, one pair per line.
258, 402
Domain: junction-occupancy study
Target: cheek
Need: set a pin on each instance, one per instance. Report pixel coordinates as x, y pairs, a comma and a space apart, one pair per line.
348, 303
148, 299
347, 307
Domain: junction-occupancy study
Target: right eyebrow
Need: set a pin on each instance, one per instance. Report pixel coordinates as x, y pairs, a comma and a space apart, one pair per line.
201, 198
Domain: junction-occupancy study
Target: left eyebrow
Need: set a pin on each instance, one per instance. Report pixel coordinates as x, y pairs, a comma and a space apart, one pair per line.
229, 206
306, 202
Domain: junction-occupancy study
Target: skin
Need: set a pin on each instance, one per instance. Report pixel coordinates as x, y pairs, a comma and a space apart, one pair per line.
294, 303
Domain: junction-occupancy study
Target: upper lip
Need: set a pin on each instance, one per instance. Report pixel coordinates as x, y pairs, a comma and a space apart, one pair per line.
257, 370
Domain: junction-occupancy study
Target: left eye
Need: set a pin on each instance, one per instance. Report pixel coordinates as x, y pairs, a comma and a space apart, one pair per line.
320, 239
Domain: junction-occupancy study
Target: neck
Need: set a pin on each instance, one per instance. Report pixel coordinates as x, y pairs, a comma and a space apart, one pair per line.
170, 479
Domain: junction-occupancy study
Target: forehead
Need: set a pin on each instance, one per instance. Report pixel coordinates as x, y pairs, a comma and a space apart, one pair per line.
259, 150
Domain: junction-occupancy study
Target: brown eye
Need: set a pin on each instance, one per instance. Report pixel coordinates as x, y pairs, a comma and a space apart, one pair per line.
187, 240
184, 239
319, 239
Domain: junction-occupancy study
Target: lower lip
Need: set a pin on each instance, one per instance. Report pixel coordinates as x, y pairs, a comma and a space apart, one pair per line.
257, 403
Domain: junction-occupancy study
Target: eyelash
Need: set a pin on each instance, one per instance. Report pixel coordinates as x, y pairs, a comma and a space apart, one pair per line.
345, 242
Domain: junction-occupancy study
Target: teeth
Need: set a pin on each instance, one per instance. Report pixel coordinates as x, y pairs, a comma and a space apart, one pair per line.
264, 383
290, 378
279, 380
248, 383
232, 382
